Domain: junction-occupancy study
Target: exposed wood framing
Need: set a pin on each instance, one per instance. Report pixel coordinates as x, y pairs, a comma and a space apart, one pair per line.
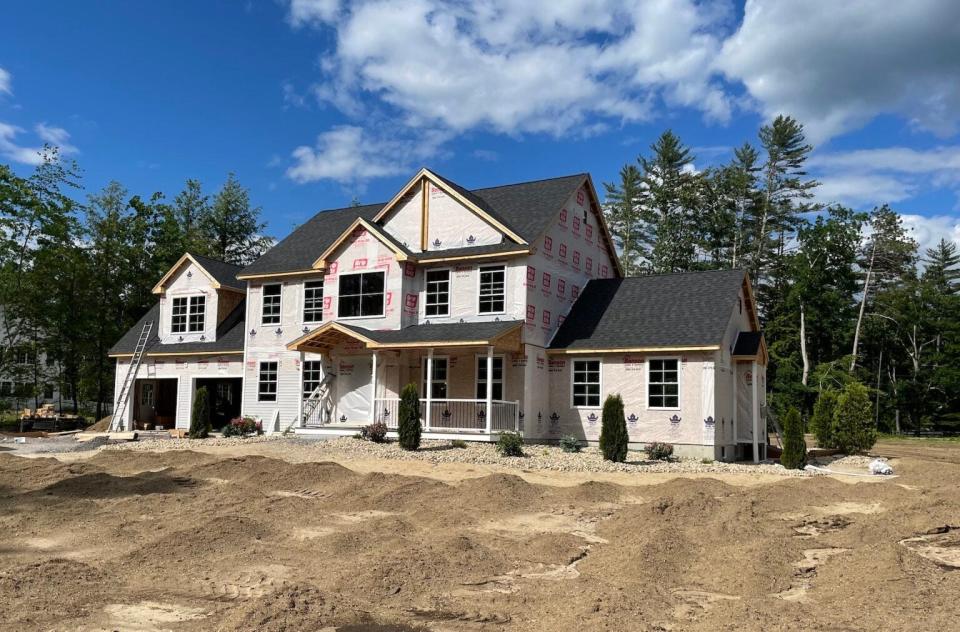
321, 262
159, 287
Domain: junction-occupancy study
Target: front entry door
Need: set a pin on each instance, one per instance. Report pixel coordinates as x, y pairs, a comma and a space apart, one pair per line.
354, 391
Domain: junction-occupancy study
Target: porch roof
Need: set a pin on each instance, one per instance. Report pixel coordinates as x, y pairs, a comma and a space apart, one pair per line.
501, 334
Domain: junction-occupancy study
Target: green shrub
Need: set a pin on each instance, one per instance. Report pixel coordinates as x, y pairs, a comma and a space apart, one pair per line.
613, 430
200, 419
657, 451
510, 444
409, 418
853, 429
242, 427
821, 422
794, 455
458, 443
376, 432
569, 443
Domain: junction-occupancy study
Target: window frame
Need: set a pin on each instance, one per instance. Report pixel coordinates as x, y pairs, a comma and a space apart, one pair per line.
383, 311
480, 270
647, 383
303, 314
184, 315
202, 313
263, 305
573, 382
304, 393
426, 292
260, 380
147, 394
481, 358
445, 380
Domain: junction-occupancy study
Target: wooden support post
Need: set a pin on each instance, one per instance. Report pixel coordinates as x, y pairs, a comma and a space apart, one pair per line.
300, 420
373, 387
429, 389
756, 412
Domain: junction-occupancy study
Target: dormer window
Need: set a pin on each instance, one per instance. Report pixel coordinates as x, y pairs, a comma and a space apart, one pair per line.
188, 314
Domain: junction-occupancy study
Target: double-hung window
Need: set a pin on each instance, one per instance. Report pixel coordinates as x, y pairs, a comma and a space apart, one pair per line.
437, 302
482, 377
663, 383
586, 383
492, 290
438, 387
313, 301
361, 295
188, 314
197, 313
270, 312
267, 383
178, 320
312, 374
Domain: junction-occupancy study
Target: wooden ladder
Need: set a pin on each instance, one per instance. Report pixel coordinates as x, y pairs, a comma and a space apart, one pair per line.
120, 408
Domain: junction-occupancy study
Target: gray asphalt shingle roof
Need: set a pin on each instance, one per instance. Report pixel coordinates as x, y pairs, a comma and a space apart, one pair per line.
438, 332
229, 336
225, 273
526, 208
665, 310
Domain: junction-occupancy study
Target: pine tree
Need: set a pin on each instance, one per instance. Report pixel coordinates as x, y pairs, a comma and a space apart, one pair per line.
853, 429
794, 455
943, 267
623, 213
613, 430
200, 418
232, 228
821, 422
409, 418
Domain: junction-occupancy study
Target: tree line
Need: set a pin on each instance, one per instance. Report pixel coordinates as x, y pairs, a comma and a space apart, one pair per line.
844, 296
76, 272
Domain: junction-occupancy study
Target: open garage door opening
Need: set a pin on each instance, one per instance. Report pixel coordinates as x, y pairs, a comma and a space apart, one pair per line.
225, 395
155, 404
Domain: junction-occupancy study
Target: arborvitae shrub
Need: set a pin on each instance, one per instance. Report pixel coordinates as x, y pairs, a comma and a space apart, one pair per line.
200, 417
409, 418
853, 428
613, 430
821, 422
794, 455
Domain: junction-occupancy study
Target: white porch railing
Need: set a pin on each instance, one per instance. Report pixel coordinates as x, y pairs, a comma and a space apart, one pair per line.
456, 415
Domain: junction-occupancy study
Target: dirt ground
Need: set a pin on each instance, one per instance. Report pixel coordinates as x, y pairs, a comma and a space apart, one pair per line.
232, 540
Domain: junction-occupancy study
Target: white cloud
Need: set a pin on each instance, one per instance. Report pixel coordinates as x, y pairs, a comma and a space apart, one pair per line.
350, 154
10, 150
929, 230
55, 136
6, 82
836, 65
306, 12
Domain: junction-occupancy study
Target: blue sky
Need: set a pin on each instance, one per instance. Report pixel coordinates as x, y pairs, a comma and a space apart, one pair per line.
313, 102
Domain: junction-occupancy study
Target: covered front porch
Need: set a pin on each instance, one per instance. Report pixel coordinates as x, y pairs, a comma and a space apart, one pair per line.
463, 372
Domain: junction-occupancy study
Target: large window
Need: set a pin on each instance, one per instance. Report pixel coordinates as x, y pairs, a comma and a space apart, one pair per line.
492, 290
361, 295
482, 377
178, 323
189, 313
198, 308
663, 384
439, 378
270, 314
267, 383
312, 374
313, 301
586, 383
438, 293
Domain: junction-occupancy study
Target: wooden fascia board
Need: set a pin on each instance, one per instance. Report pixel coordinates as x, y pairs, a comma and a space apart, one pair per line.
176, 353
158, 288
321, 262
269, 275
488, 255
748, 290
399, 196
678, 349
305, 338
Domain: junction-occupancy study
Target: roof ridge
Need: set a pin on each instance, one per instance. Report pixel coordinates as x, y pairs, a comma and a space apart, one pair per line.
516, 184
226, 263
665, 274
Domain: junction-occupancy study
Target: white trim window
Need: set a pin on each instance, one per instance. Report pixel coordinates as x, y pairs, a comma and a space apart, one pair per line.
146, 394
272, 300
312, 375
492, 295
196, 318
439, 381
585, 383
267, 382
178, 315
188, 314
497, 377
663, 383
313, 301
437, 300
361, 295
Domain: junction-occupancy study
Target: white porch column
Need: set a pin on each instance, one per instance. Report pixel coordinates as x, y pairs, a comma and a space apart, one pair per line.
756, 412
300, 395
373, 386
429, 388
736, 404
489, 388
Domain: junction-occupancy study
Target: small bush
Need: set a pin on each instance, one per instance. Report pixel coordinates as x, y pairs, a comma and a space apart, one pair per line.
613, 430
376, 432
794, 455
200, 417
569, 443
821, 422
853, 429
458, 443
510, 444
657, 451
409, 418
243, 427
706, 461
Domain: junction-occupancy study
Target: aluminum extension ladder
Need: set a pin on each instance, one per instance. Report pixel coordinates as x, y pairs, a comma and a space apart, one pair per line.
120, 408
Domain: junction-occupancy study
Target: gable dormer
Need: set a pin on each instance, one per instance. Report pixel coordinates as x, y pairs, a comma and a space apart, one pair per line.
431, 213
196, 295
